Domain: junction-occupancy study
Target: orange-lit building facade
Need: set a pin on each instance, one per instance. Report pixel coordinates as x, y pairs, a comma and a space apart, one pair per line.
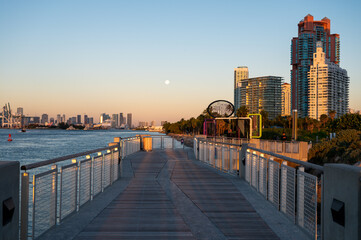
302, 49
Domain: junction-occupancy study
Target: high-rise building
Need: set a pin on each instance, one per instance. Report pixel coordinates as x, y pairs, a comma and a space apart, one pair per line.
44, 118
63, 119
302, 49
20, 111
261, 93
115, 121
103, 117
58, 119
129, 120
78, 119
328, 86
240, 73
286, 99
91, 120
73, 120
121, 119
52, 120
86, 119
152, 123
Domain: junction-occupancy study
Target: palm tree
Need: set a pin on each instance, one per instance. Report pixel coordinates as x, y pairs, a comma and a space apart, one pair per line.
289, 119
323, 119
242, 111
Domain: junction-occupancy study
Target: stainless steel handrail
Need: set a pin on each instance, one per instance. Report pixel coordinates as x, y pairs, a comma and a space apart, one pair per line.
59, 159
288, 159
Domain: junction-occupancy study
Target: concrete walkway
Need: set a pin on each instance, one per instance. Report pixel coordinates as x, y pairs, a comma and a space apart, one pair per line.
166, 194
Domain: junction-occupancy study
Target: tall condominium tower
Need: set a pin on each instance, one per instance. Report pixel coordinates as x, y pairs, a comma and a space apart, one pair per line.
328, 86
240, 73
302, 49
286, 99
261, 93
129, 120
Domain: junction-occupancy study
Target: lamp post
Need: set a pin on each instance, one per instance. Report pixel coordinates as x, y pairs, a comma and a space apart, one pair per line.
294, 124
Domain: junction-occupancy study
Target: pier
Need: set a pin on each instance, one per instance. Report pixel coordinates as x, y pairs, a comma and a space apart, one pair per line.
216, 190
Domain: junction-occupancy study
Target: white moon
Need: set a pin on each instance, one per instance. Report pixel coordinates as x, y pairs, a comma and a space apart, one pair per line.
167, 82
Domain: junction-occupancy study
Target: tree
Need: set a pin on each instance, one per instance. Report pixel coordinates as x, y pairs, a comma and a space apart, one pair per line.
345, 148
265, 120
289, 119
323, 120
63, 125
347, 121
242, 111
307, 124
194, 124
332, 114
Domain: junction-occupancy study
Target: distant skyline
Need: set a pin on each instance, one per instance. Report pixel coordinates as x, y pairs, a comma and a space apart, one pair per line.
89, 57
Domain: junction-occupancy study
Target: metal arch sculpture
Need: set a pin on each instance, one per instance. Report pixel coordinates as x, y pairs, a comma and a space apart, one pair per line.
220, 108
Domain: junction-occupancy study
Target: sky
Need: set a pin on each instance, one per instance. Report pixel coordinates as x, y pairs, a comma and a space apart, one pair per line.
112, 56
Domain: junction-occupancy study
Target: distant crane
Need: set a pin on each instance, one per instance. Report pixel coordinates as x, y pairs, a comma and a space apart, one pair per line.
8, 119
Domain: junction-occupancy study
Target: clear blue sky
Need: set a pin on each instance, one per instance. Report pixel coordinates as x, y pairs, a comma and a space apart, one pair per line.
77, 57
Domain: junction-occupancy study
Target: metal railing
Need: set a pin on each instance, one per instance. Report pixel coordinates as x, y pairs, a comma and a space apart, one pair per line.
280, 180
165, 142
129, 146
60, 187
54, 189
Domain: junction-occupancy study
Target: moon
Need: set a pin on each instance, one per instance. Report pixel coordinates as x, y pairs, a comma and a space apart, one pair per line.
166, 82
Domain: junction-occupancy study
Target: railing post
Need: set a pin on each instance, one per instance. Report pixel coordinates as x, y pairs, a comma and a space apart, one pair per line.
34, 201
222, 153
322, 208
60, 172
101, 175
92, 180
242, 160
230, 168
112, 167
78, 187
24, 206
300, 197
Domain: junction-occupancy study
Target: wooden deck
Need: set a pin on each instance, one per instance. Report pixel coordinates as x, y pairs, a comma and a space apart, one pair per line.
148, 210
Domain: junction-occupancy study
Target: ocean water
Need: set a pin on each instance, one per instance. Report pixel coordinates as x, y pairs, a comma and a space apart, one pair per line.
43, 144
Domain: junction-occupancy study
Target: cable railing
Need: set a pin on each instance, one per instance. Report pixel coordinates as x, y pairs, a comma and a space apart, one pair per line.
54, 189
280, 180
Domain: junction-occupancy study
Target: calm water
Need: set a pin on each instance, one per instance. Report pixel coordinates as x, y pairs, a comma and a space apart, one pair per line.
42, 144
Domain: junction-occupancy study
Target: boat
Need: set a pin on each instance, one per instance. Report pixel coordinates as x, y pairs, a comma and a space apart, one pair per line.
23, 130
